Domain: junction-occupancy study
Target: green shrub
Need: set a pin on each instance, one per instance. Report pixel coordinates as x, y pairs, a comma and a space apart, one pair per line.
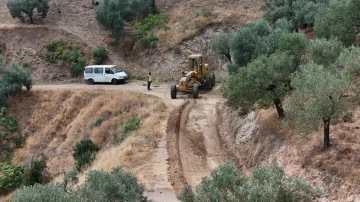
84, 153
98, 122
76, 69
149, 42
152, 22
132, 124
71, 178
8, 124
50, 56
60, 52
99, 55
226, 183
33, 173
114, 186
44, 193
10, 178
54, 45
8, 134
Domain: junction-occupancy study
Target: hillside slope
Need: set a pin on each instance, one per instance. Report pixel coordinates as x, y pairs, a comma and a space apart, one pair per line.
54, 121
188, 19
333, 170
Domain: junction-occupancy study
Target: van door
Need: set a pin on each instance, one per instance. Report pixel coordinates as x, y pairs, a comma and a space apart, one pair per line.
109, 74
99, 75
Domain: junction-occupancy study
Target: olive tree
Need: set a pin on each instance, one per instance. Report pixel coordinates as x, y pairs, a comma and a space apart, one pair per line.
350, 59
301, 13
19, 7
324, 52
12, 79
341, 20
266, 80
113, 14
244, 43
318, 95
254, 40
226, 183
221, 45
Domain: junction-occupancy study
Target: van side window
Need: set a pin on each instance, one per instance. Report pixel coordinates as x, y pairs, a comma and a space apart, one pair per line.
108, 71
89, 70
98, 70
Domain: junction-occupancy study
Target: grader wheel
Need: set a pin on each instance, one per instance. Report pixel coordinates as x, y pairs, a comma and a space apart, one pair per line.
195, 91
173, 91
213, 80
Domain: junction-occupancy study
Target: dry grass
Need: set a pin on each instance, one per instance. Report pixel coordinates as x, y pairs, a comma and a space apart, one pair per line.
53, 121
342, 159
274, 142
190, 18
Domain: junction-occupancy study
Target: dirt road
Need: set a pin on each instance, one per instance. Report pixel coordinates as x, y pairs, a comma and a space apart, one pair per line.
193, 143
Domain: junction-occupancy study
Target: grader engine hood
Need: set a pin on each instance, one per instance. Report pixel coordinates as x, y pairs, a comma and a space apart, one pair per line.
185, 81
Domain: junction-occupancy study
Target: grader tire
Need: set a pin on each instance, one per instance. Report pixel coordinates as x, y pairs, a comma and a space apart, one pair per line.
173, 91
208, 81
213, 80
195, 91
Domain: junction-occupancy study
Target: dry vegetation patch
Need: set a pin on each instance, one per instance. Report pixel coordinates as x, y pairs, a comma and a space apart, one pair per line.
54, 121
274, 142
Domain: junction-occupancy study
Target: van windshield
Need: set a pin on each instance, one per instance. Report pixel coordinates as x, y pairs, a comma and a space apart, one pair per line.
116, 69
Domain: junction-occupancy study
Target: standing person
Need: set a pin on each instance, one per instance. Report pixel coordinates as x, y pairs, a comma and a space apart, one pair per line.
149, 80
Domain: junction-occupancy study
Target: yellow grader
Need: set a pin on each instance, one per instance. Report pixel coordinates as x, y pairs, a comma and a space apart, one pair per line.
196, 75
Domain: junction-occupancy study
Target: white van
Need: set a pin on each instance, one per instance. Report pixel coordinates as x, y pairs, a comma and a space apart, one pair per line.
104, 73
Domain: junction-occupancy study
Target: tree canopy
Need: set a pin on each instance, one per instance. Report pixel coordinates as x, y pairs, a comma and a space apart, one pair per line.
341, 20
266, 80
12, 79
221, 45
324, 52
318, 95
114, 13
301, 13
19, 7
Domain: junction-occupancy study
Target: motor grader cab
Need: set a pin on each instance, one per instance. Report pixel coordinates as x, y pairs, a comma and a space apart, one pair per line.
196, 74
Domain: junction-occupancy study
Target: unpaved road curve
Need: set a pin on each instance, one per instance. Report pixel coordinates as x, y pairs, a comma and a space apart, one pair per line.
161, 91
194, 146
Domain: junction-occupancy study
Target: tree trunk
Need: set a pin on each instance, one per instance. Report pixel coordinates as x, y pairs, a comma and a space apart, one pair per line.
326, 132
228, 56
31, 19
279, 108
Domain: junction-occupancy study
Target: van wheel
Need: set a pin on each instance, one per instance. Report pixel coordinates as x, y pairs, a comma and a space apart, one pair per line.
90, 81
113, 81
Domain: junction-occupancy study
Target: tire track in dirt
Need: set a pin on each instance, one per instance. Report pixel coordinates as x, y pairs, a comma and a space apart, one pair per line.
194, 143
172, 138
